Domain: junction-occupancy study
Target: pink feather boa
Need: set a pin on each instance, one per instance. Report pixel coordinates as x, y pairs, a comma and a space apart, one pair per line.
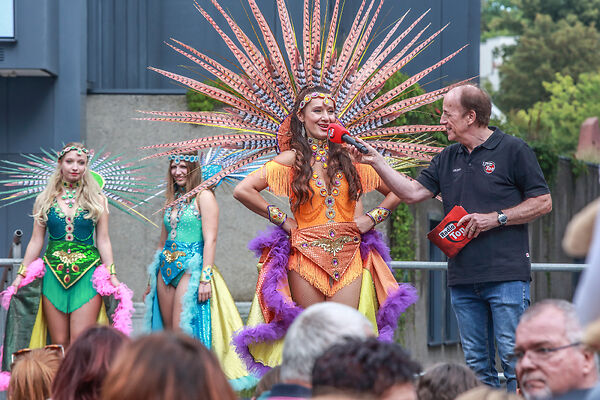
102, 284
101, 281
4, 376
122, 315
35, 270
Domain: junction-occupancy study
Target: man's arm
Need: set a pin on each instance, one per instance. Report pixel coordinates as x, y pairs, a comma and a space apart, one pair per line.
407, 189
522, 213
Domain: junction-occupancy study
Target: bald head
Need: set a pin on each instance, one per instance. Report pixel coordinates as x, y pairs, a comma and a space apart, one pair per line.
475, 99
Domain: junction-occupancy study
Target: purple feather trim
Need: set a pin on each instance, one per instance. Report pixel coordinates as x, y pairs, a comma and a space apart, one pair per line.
374, 240
395, 304
285, 311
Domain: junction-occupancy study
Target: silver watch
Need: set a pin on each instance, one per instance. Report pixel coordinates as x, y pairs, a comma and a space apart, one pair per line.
502, 218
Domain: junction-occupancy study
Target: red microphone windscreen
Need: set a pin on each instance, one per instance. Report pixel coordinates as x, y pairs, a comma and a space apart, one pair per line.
335, 132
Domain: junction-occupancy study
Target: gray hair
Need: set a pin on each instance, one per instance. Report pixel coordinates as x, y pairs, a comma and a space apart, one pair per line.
572, 325
314, 331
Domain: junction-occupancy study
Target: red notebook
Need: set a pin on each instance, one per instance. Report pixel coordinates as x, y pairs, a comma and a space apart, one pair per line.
447, 236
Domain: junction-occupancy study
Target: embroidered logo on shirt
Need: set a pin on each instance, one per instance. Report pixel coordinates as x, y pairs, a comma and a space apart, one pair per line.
488, 166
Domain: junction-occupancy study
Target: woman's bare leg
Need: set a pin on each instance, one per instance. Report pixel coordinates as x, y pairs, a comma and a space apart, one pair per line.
349, 294
178, 302
166, 295
58, 323
84, 317
303, 293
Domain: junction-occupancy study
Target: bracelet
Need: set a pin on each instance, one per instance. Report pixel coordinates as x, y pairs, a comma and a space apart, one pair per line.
111, 269
206, 273
275, 215
379, 214
22, 270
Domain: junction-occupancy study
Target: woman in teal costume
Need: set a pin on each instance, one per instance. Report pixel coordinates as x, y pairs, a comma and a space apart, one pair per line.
186, 292
72, 208
187, 247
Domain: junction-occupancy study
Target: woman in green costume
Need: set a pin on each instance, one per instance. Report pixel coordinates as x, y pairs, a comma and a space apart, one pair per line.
72, 209
186, 291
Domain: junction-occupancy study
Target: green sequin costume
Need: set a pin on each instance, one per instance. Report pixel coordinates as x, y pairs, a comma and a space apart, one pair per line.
70, 259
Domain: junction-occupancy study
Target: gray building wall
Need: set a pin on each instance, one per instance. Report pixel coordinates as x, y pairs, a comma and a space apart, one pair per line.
41, 112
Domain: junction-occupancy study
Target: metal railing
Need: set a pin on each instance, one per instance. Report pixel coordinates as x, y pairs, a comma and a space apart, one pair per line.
443, 266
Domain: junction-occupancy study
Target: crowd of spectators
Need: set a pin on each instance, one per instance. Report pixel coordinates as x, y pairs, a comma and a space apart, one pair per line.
330, 353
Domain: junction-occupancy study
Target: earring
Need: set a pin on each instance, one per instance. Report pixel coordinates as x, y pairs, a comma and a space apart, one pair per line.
302, 131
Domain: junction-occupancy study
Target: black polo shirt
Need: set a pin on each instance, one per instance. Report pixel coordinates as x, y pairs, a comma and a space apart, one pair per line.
498, 174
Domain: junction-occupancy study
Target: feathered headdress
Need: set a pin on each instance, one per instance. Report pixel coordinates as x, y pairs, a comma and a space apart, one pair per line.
261, 96
120, 180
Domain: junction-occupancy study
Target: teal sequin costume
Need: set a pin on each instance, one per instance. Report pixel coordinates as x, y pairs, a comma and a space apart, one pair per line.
212, 321
182, 254
70, 259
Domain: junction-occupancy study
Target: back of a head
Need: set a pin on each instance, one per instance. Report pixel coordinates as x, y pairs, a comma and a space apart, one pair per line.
86, 364
315, 330
166, 365
266, 382
446, 382
32, 375
487, 393
363, 368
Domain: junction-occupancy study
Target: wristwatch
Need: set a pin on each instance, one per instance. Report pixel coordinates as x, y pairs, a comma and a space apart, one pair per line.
502, 218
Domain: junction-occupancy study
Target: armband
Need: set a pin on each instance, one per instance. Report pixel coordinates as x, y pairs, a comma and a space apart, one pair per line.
206, 273
379, 214
275, 215
111, 269
22, 270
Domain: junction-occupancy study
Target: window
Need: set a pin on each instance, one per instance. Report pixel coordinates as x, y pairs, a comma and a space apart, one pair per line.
7, 19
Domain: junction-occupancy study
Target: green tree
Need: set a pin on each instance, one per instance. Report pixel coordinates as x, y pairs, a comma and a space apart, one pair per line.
567, 47
557, 121
500, 18
427, 115
587, 11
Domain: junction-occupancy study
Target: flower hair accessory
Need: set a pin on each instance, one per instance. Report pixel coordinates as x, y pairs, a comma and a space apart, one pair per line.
183, 157
327, 99
70, 148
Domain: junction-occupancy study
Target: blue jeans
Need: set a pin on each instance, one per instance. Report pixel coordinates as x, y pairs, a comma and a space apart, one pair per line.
488, 311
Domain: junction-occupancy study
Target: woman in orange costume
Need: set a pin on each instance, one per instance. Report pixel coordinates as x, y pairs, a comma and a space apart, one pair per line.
334, 254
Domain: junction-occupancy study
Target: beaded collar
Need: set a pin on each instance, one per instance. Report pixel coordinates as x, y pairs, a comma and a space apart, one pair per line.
70, 195
320, 150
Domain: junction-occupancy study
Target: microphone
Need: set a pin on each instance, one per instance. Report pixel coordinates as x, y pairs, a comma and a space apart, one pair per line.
339, 134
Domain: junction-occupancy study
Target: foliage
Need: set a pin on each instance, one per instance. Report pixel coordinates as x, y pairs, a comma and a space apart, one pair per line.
426, 115
547, 157
500, 18
512, 17
547, 47
586, 11
558, 120
401, 240
199, 102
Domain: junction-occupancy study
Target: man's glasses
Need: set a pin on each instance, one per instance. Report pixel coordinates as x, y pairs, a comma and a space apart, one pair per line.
541, 353
58, 348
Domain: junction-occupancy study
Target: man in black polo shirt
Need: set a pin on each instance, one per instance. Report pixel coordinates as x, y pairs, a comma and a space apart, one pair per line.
497, 179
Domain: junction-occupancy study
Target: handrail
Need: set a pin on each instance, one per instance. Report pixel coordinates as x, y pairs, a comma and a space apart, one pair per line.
443, 266
8, 262
430, 265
